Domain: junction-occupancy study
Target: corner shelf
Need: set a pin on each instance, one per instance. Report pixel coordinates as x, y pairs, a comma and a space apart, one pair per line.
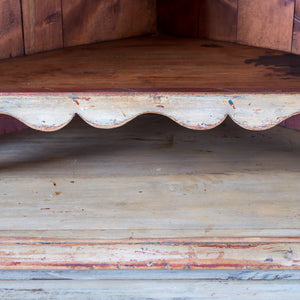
195, 82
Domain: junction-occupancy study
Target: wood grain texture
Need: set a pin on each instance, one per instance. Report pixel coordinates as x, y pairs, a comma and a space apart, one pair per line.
11, 40
42, 21
296, 34
222, 19
148, 289
266, 23
180, 17
160, 62
45, 254
193, 110
91, 21
85, 183
200, 275
189, 200
256, 87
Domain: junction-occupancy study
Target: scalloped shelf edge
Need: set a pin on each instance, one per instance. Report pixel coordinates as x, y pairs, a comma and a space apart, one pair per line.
198, 111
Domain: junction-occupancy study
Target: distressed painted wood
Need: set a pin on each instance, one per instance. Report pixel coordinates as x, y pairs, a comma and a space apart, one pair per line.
266, 23
11, 40
42, 23
80, 172
150, 195
150, 254
113, 109
148, 289
256, 88
296, 33
222, 19
89, 21
266, 275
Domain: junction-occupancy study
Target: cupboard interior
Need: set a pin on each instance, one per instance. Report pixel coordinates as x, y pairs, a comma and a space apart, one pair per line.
33, 26
151, 194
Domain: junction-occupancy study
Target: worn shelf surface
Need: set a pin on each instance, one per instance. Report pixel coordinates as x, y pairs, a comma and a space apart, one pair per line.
160, 62
150, 195
195, 82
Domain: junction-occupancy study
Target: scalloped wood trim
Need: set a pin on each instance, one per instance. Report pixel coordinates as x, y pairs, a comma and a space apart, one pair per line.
52, 111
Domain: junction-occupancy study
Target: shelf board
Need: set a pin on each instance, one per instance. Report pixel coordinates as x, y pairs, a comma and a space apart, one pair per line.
150, 195
159, 62
195, 82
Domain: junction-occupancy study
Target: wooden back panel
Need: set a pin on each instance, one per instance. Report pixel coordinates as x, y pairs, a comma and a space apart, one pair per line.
90, 21
30, 26
271, 24
296, 34
11, 40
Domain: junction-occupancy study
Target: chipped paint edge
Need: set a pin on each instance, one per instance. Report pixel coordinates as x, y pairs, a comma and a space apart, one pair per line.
198, 111
150, 254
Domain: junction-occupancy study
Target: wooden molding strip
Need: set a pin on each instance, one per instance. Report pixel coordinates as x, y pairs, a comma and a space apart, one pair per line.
52, 111
150, 254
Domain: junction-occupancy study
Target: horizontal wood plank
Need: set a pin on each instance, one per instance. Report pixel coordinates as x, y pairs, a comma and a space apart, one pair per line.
201, 275
188, 254
154, 63
149, 289
150, 195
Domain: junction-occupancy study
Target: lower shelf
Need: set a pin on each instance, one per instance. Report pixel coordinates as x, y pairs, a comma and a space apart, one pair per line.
150, 195
149, 289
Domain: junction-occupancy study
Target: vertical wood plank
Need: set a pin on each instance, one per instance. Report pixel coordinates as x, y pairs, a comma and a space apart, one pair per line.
89, 21
266, 24
181, 17
11, 40
296, 34
42, 23
222, 19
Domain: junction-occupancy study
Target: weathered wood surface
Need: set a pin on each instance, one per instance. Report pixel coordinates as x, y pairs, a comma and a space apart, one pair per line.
149, 289
266, 23
150, 254
159, 62
296, 33
42, 23
265, 275
258, 89
11, 40
193, 110
150, 195
89, 21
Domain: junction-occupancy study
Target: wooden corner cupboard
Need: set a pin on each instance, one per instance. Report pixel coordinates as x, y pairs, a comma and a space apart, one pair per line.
150, 209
